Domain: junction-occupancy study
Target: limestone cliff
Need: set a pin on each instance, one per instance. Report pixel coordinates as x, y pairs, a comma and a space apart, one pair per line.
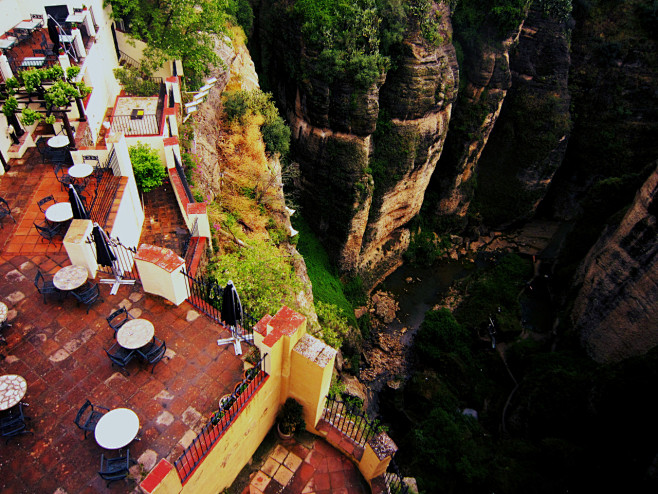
366, 155
616, 311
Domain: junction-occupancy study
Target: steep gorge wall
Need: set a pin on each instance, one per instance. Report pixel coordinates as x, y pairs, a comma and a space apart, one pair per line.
616, 310
366, 156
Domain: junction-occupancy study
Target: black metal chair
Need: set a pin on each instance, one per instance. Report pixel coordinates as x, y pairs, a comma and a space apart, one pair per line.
120, 356
153, 352
45, 287
63, 177
13, 423
88, 295
5, 210
88, 416
118, 318
48, 231
55, 156
113, 469
45, 201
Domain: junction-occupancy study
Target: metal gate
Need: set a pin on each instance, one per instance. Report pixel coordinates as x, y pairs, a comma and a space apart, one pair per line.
125, 259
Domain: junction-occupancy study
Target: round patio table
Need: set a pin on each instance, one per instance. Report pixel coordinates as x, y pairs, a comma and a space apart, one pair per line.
117, 428
12, 390
135, 334
60, 141
70, 277
59, 212
80, 170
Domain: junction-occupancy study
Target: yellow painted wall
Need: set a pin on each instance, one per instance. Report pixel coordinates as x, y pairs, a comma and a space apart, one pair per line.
234, 450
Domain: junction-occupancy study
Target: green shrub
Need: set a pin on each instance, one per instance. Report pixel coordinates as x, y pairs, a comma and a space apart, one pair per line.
334, 326
147, 167
440, 333
263, 276
133, 82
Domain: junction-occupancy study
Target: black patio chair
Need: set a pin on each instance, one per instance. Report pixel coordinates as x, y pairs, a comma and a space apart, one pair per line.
118, 318
13, 423
48, 231
113, 469
120, 356
5, 210
44, 201
46, 287
88, 295
46, 152
153, 352
63, 177
88, 416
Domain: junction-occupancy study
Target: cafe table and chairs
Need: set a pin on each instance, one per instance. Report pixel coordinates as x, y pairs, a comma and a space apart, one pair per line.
58, 141
70, 278
117, 428
12, 390
59, 212
7, 43
80, 171
135, 334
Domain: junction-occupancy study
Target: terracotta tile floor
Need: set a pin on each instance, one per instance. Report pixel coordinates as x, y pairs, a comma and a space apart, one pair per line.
59, 349
313, 466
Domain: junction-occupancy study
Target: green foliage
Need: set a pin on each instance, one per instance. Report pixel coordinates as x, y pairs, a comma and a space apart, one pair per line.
243, 14
425, 247
291, 417
558, 9
147, 167
276, 134
496, 287
177, 29
29, 116
10, 106
72, 72
334, 326
472, 18
327, 287
440, 333
262, 274
60, 93
134, 84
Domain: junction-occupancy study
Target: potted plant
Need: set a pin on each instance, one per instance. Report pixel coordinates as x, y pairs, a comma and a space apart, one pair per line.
49, 121
251, 358
290, 419
29, 116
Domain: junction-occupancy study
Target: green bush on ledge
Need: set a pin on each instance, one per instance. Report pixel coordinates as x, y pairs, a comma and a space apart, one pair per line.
149, 170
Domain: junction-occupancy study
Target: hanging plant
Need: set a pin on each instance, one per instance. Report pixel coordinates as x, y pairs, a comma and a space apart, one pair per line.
10, 106
32, 79
50, 119
83, 89
12, 84
72, 72
29, 116
60, 94
55, 72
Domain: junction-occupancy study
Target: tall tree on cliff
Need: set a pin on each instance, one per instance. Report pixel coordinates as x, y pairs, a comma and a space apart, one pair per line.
180, 29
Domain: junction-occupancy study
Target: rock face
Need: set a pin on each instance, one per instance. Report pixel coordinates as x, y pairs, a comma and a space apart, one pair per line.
366, 156
616, 311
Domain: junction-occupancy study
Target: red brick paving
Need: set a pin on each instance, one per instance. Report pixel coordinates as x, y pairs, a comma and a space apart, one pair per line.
57, 455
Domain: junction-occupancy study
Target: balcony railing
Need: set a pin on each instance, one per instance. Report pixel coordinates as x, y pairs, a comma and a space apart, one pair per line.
226, 414
350, 420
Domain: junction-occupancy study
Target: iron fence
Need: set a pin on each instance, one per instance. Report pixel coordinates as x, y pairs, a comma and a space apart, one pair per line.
206, 295
183, 179
131, 126
124, 265
350, 420
106, 186
229, 408
394, 480
18, 65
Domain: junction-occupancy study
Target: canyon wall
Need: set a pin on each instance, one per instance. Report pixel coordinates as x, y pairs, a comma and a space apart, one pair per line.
616, 311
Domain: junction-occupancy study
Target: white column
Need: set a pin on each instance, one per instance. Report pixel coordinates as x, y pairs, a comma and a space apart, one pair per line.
78, 44
79, 251
64, 61
88, 24
5, 69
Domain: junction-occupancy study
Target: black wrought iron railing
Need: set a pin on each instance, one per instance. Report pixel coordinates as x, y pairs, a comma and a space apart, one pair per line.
206, 295
394, 480
183, 179
128, 60
124, 265
228, 410
135, 125
104, 187
350, 420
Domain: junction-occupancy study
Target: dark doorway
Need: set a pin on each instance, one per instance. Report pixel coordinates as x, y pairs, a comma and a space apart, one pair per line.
58, 12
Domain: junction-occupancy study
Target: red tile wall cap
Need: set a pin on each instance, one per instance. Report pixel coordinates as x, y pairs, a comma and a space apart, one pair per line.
156, 476
170, 111
284, 323
170, 141
197, 208
160, 256
173, 78
261, 326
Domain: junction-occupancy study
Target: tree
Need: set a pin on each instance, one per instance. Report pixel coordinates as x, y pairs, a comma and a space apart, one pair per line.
179, 29
149, 170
